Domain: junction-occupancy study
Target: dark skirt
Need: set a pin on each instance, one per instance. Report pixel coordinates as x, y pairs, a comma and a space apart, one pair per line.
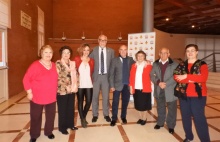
142, 100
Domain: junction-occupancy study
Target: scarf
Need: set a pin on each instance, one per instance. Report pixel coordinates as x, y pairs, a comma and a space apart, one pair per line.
72, 69
182, 68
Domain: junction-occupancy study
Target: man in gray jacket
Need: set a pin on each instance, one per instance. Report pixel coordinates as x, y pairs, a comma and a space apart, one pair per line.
102, 56
119, 80
162, 78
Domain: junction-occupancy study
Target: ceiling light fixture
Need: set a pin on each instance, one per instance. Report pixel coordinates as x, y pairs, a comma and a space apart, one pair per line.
167, 19
83, 37
64, 37
120, 37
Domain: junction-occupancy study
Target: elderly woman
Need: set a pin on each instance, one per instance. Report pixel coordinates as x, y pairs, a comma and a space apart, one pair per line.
67, 87
40, 82
191, 89
85, 67
140, 86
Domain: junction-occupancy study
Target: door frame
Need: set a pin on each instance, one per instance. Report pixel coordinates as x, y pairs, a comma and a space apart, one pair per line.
4, 68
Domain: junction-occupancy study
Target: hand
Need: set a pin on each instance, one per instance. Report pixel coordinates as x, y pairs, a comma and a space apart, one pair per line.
30, 96
75, 90
112, 89
181, 77
131, 90
148, 62
162, 85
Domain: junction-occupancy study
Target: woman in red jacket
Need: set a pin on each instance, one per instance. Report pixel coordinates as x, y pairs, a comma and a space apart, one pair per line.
191, 76
85, 67
140, 85
40, 82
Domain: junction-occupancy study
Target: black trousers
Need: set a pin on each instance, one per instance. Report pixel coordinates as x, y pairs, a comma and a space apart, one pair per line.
66, 112
125, 97
36, 111
84, 94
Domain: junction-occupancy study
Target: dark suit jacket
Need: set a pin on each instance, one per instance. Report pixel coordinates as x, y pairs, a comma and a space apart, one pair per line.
115, 77
168, 79
110, 54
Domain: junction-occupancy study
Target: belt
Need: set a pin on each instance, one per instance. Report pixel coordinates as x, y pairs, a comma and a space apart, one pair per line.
139, 89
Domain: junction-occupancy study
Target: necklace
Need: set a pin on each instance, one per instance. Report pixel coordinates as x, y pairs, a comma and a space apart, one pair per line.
85, 61
85, 65
46, 65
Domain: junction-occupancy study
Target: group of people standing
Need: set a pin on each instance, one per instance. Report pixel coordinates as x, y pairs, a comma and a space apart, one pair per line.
99, 71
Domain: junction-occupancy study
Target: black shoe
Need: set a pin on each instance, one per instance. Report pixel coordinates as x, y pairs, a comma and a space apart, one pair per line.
65, 132
107, 118
139, 121
83, 123
157, 127
187, 140
171, 131
94, 119
143, 122
113, 123
33, 140
74, 128
51, 136
124, 120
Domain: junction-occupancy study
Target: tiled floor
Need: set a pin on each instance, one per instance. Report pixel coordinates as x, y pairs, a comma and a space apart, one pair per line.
14, 125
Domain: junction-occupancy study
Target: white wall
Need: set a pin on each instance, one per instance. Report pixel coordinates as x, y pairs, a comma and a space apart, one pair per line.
176, 43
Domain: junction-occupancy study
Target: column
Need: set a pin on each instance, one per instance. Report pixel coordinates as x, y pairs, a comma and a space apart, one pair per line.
148, 15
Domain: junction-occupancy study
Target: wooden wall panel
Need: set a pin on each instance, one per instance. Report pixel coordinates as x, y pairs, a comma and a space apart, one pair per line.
95, 16
22, 42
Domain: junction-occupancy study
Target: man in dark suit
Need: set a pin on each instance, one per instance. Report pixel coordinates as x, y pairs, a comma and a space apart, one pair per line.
119, 80
102, 56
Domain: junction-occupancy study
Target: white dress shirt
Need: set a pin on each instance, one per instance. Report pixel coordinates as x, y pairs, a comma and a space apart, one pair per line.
163, 62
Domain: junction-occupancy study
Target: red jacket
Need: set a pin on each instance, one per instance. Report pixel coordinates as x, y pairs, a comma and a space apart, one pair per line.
199, 78
145, 78
78, 61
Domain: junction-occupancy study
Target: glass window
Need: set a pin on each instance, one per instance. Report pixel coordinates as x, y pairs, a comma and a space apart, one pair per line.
3, 47
41, 40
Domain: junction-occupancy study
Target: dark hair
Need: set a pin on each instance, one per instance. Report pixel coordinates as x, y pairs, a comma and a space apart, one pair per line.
65, 47
192, 45
82, 47
141, 52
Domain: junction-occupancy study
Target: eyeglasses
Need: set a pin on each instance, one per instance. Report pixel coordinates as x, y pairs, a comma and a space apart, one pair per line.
190, 51
66, 53
163, 53
102, 40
